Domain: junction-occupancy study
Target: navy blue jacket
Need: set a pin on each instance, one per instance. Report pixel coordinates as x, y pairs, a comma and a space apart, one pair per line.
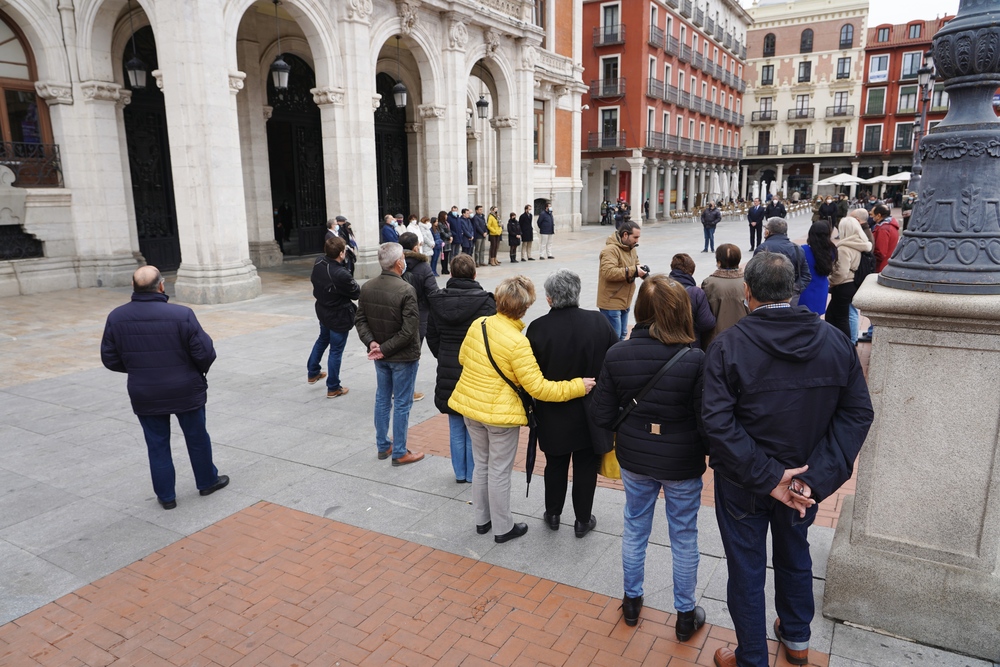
784, 389
479, 225
163, 349
779, 243
546, 225
704, 320
674, 404
389, 234
757, 214
468, 231
527, 231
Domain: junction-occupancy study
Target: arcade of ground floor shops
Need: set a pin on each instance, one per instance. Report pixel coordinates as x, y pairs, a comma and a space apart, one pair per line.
797, 180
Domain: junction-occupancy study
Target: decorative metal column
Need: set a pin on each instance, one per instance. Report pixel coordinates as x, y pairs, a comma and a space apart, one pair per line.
952, 244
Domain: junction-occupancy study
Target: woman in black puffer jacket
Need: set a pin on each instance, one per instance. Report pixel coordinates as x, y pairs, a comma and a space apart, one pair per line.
452, 310
661, 444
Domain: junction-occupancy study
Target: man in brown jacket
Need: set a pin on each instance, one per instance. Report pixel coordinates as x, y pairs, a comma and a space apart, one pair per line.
616, 278
388, 323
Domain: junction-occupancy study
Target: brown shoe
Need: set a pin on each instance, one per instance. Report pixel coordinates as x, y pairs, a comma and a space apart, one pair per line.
410, 457
337, 392
417, 396
316, 378
796, 657
725, 657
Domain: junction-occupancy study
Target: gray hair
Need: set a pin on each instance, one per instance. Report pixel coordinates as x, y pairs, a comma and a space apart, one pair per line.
777, 226
770, 277
389, 254
563, 287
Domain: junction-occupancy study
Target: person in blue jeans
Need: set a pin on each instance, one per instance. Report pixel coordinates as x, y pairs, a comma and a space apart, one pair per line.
660, 444
388, 323
452, 310
335, 292
786, 410
710, 218
619, 268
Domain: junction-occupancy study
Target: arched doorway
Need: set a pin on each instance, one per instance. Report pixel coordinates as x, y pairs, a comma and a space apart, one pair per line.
149, 163
391, 155
295, 154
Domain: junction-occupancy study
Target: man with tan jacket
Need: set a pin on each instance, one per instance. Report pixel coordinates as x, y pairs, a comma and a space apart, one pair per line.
616, 277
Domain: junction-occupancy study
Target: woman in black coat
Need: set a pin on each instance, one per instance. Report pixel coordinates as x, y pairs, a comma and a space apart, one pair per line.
452, 310
661, 444
563, 433
682, 270
419, 274
513, 236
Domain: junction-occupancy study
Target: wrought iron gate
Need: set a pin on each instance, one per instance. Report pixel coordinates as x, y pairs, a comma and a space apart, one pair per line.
391, 154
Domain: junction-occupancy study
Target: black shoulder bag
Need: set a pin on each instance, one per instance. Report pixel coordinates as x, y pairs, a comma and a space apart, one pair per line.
526, 400
625, 411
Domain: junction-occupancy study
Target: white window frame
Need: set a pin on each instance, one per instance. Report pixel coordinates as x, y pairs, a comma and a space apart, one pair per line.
650, 119
604, 59
916, 99
701, 131
895, 137
864, 134
604, 5
652, 67
680, 125
690, 128
666, 122
868, 97
919, 56
668, 72
878, 75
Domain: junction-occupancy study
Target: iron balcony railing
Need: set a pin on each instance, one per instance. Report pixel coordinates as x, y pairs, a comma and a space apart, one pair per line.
872, 148
698, 60
655, 37
709, 24
844, 110
847, 44
764, 116
727, 41
606, 140
673, 4
654, 88
655, 140
672, 46
34, 165
836, 147
600, 88
801, 114
685, 54
762, 150
670, 94
743, 52
609, 34
798, 149
719, 33
699, 17
686, 8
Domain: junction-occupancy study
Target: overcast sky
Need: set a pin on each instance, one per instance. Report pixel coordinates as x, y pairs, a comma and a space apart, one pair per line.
902, 11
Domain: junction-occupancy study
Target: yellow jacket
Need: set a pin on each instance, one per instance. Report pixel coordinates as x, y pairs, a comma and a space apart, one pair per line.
483, 395
493, 225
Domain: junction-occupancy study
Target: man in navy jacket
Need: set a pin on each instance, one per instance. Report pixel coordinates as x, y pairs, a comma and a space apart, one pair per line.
786, 410
755, 216
546, 229
776, 240
166, 354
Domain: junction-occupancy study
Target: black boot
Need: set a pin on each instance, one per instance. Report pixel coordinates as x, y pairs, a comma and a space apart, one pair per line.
688, 623
630, 610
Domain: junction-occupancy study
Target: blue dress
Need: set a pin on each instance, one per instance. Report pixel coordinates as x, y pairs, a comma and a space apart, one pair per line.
814, 296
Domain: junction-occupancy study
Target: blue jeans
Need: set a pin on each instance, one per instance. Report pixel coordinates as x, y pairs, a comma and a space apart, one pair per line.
461, 448
394, 393
336, 342
619, 321
744, 519
156, 428
434, 260
710, 238
682, 500
853, 317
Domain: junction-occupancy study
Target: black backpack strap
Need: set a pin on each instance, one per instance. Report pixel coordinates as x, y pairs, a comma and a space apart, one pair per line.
486, 342
649, 385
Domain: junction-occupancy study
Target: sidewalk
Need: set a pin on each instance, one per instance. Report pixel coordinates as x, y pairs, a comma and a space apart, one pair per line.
76, 507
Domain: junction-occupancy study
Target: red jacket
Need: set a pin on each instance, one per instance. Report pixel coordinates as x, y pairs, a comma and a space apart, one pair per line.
886, 235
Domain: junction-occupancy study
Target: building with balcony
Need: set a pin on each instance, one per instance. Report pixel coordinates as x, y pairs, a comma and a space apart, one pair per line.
893, 56
804, 70
665, 115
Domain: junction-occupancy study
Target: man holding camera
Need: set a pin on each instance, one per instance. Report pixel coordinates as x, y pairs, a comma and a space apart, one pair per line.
619, 268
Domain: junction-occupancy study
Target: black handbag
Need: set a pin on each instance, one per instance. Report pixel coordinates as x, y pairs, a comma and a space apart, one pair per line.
526, 400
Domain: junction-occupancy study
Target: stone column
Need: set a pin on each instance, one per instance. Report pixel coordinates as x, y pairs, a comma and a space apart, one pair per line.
780, 180
418, 177
815, 188
199, 92
854, 173
885, 172
635, 187
744, 190
585, 193
691, 191
253, 114
668, 178
702, 177
514, 134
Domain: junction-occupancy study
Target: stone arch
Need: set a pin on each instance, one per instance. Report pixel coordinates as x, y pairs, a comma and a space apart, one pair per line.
420, 47
99, 20
121, 36
43, 33
499, 79
293, 44
409, 73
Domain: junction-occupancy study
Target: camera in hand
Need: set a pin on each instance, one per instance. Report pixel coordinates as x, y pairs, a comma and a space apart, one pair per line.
645, 267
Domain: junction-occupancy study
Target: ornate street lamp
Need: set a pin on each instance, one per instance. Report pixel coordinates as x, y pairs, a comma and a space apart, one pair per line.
660, 169
925, 78
135, 68
482, 106
279, 68
614, 169
952, 243
399, 90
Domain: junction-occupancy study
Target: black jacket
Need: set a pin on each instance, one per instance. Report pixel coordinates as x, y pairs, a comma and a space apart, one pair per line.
163, 349
704, 320
785, 389
335, 292
562, 427
756, 214
513, 233
831, 211
710, 217
479, 226
527, 232
546, 225
418, 273
775, 210
779, 243
452, 311
674, 405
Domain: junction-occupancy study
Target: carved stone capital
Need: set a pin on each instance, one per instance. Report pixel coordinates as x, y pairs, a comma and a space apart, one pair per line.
529, 57
124, 99
492, 38
458, 32
100, 91
376, 102
413, 128
328, 95
158, 76
236, 81
428, 111
560, 90
503, 122
472, 134
55, 92
407, 15
268, 112
359, 11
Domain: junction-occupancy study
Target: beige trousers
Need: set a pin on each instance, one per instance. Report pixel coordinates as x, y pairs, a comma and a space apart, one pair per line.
493, 450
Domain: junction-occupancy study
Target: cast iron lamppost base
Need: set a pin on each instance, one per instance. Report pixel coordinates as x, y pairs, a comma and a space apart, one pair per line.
952, 244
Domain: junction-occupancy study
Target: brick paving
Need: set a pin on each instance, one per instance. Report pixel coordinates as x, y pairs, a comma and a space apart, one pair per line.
277, 587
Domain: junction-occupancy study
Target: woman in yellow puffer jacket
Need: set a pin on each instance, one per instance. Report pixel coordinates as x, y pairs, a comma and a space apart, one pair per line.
493, 411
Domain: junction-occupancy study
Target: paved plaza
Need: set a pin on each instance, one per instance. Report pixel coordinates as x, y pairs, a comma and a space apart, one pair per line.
317, 553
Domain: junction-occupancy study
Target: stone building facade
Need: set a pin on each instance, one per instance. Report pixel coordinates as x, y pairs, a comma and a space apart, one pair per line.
192, 171
805, 73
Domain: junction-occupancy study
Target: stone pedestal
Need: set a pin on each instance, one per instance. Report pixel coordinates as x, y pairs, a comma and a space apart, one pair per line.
916, 551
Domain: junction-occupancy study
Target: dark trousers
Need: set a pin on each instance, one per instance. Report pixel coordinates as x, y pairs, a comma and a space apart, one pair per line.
445, 258
156, 428
744, 519
585, 464
494, 246
838, 310
756, 231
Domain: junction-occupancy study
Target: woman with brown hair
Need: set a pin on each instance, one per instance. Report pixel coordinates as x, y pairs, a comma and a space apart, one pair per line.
724, 291
660, 444
445, 232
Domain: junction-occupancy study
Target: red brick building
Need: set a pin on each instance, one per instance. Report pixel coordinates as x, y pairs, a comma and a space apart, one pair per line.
891, 96
664, 111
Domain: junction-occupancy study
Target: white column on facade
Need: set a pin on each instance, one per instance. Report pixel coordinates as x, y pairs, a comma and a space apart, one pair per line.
691, 188
668, 177
585, 190
815, 188
780, 179
885, 172
744, 190
652, 185
250, 109
854, 173
635, 187
514, 134
199, 92
702, 177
